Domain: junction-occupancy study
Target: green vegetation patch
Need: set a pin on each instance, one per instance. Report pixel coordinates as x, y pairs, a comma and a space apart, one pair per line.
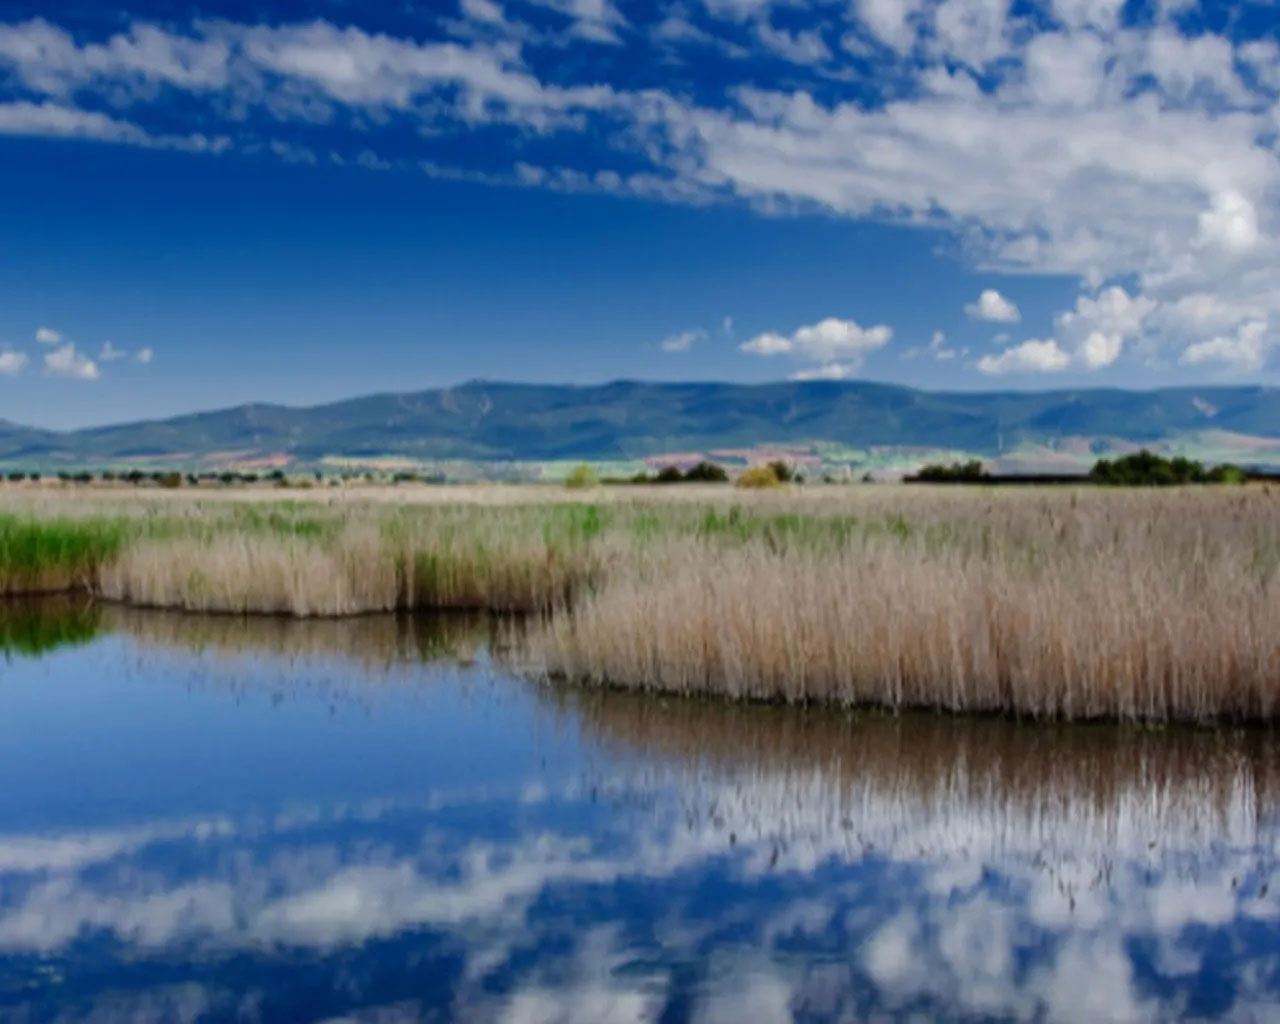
54, 554
1146, 469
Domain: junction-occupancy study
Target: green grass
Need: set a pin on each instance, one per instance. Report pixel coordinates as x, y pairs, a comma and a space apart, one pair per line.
54, 554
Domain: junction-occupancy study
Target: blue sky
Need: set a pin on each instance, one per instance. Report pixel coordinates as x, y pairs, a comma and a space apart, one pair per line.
214, 202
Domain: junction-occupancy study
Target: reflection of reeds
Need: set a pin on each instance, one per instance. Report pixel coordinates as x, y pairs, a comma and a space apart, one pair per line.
1104, 787
1056, 604
370, 640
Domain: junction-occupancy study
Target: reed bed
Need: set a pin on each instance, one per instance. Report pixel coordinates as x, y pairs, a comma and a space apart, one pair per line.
1055, 604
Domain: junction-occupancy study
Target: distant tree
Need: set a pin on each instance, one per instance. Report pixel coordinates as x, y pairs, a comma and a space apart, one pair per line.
958, 472
707, 473
669, 475
1146, 469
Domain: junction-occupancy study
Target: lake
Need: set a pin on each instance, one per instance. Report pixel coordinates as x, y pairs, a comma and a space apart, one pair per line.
379, 819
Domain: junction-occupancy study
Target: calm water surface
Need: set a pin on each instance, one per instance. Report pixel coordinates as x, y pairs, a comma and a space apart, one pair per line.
374, 820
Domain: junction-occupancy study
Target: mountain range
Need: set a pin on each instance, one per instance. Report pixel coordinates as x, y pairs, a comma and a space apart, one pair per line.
486, 421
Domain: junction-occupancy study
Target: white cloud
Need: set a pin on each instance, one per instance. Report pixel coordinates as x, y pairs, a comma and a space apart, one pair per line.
109, 353
797, 47
597, 21
1245, 351
12, 363
1034, 356
48, 336
1094, 148
483, 10
1230, 223
1098, 328
827, 371
993, 306
891, 21
767, 344
727, 325
825, 341
52, 120
145, 355
1099, 349
937, 349
683, 341
67, 361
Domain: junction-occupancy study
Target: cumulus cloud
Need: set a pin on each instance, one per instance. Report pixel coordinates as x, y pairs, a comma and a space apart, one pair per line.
1241, 352
827, 342
12, 363
683, 341
144, 355
68, 361
993, 306
109, 353
48, 336
1034, 356
1097, 329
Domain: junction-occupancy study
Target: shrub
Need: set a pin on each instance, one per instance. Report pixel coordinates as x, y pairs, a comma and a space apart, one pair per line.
581, 478
669, 475
1227, 474
758, 477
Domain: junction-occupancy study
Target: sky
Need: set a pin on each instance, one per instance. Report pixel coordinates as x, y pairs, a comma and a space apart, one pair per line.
210, 202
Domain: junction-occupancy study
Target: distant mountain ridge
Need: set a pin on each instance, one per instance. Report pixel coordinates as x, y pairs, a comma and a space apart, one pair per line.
628, 420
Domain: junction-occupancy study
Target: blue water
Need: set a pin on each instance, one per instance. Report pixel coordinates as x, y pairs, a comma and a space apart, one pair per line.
378, 821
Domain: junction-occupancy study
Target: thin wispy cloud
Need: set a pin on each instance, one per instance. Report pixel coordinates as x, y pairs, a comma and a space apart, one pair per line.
683, 341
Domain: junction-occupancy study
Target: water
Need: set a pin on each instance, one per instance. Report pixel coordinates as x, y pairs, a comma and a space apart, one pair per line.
373, 820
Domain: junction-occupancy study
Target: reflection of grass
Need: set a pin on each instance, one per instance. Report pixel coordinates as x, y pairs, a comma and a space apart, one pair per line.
374, 641
53, 554
32, 627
